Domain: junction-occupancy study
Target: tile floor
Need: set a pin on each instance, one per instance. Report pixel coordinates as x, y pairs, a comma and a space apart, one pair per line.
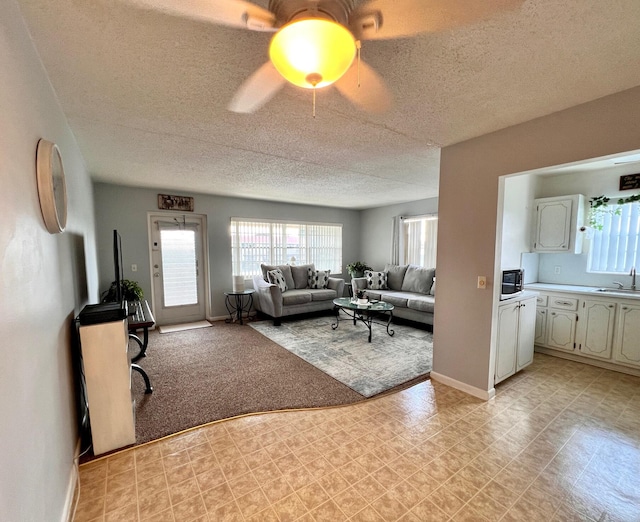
560, 442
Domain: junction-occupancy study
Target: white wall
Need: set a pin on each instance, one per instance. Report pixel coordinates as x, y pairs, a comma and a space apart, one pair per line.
469, 173
126, 208
45, 280
375, 240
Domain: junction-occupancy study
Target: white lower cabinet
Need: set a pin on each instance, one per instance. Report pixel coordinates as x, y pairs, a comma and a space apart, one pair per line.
515, 340
594, 335
561, 327
605, 329
627, 338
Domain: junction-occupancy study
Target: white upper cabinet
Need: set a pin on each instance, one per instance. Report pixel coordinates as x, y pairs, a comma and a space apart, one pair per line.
557, 222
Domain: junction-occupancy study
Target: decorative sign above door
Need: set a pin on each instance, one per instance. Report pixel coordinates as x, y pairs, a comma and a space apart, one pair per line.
182, 203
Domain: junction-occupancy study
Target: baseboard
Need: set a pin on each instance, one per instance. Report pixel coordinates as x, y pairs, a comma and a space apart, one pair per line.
67, 512
225, 317
587, 360
459, 385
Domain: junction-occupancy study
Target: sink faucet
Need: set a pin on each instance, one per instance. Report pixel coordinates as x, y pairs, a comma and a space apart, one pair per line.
633, 277
620, 285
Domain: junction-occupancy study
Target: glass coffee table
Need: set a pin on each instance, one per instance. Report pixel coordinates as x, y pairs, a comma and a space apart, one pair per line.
365, 313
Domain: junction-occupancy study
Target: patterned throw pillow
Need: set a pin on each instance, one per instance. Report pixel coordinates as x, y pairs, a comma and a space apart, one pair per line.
276, 277
318, 278
376, 280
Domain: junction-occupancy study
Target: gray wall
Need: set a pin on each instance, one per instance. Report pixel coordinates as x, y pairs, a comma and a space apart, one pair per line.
45, 281
126, 208
375, 240
469, 173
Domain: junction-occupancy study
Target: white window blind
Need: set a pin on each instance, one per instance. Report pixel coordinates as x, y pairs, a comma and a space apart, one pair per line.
420, 240
278, 243
616, 248
179, 267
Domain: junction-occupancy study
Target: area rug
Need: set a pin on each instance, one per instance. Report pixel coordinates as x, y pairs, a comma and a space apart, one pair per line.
170, 328
346, 355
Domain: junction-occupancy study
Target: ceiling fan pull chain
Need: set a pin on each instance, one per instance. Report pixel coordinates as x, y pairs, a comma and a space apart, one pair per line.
314, 102
358, 46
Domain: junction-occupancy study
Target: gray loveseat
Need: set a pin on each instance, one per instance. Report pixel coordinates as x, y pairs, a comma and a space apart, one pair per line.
410, 288
298, 298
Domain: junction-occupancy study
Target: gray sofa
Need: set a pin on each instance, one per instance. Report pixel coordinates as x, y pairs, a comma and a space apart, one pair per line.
410, 288
298, 298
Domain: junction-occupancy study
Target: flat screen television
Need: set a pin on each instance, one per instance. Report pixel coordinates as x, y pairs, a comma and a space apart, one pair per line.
118, 266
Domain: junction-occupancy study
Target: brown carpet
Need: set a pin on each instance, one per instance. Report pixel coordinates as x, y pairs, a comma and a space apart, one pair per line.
208, 374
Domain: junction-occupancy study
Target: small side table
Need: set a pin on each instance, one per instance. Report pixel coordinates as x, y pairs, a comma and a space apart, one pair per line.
237, 304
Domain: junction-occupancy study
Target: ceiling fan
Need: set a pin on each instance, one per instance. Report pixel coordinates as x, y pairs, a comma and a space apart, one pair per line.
316, 41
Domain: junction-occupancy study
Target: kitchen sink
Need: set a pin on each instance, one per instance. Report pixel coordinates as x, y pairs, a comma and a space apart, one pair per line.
619, 291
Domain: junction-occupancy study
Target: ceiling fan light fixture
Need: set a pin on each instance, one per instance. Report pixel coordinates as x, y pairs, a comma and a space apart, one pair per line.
312, 52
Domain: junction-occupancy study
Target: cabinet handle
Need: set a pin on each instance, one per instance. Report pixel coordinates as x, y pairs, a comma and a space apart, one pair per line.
542, 312
624, 307
566, 303
553, 313
611, 306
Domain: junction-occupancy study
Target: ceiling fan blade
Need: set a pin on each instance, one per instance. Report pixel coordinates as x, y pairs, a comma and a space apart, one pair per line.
257, 90
372, 95
235, 13
381, 19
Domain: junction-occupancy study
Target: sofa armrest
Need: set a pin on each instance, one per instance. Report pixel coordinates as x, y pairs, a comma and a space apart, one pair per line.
269, 297
336, 284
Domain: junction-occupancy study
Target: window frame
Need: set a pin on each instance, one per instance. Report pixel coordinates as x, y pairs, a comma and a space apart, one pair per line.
273, 247
612, 210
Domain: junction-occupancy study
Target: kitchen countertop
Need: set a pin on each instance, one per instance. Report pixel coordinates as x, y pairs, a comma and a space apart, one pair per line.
593, 291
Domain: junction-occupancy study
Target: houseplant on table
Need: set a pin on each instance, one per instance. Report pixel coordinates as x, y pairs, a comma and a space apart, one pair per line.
357, 269
131, 291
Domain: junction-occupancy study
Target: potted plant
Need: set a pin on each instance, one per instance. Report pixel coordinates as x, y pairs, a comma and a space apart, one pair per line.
357, 269
131, 291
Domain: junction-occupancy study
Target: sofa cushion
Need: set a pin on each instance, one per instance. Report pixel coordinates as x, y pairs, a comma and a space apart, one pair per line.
395, 275
422, 303
276, 277
324, 294
396, 299
285, 269
374, 294
300, 274
317, 278
295, 297
376, 280
418, 279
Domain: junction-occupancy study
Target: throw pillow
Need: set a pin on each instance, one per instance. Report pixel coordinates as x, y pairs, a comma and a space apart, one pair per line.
418, 279
433, 288
300, 275
395, 275
317, 278
276, 277
376, 280
286, 272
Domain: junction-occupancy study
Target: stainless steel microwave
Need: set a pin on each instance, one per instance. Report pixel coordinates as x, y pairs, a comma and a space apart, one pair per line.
512, 283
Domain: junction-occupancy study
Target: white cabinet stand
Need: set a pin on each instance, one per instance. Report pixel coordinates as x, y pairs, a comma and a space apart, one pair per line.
107, 372
516, 332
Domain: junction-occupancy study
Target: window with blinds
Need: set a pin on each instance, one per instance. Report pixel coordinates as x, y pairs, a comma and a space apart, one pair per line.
616, 248
420, 240
278, 243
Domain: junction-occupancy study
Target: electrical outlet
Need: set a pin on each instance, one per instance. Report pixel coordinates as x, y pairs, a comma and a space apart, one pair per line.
482, 282
134, 268
557, 269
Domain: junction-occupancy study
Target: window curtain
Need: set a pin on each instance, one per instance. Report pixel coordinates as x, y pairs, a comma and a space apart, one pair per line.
397, 240
421, 238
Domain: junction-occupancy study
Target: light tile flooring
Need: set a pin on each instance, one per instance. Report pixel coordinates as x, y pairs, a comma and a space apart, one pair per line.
560, 442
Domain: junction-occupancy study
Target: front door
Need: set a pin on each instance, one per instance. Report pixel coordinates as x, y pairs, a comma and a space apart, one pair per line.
178, 259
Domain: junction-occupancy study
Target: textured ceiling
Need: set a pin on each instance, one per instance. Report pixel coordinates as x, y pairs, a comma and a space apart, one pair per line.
146, 93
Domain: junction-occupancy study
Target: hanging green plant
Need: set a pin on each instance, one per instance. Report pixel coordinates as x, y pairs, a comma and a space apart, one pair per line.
600, 207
